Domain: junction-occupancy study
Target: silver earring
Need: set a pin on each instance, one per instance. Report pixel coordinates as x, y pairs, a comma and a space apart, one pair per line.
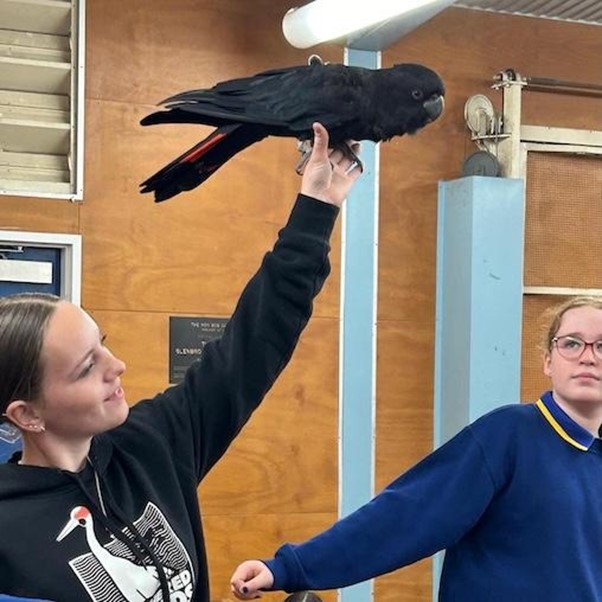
42, 428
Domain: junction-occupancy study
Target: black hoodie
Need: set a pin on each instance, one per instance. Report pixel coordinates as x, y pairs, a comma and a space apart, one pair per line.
127, 527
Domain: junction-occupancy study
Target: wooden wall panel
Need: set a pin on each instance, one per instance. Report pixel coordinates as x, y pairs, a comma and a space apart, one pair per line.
234, 538
533, 380
191, 255
404, 414
166, 47
286, 456
404, 408
410, 584
34, 215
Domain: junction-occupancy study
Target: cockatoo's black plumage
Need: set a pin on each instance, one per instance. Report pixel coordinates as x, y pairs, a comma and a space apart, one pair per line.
353, 103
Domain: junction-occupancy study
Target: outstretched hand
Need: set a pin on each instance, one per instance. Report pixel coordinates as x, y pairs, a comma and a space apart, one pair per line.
329, 175
250, 578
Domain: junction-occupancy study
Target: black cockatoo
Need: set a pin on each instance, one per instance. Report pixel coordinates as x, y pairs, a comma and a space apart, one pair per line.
353, 103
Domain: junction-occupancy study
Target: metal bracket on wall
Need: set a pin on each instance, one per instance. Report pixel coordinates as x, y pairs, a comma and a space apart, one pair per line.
508, 140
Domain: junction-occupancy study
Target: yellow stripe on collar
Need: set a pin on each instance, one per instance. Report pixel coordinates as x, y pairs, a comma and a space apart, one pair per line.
554, 424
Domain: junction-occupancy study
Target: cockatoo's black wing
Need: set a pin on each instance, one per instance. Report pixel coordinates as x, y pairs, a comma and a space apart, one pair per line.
284, 101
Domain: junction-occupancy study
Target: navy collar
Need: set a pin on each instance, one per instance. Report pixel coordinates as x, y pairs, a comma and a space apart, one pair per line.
563, 424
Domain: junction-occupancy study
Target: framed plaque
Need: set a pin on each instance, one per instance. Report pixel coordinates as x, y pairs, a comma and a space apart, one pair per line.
187, 338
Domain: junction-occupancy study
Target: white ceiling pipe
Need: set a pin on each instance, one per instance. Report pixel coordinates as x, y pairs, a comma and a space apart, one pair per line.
326, 20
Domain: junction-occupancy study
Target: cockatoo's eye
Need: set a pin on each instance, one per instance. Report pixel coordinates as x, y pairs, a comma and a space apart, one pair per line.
417, 94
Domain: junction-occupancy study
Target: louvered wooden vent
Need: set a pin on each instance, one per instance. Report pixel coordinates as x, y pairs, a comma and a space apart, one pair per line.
41, 98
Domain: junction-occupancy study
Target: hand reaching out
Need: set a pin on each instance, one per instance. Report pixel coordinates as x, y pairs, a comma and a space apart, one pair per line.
250, 578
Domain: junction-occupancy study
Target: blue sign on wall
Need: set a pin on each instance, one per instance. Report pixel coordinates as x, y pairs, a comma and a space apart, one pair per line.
10, 441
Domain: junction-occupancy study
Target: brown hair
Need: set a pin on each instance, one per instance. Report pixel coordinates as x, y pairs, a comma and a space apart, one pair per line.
23, 321
554, 315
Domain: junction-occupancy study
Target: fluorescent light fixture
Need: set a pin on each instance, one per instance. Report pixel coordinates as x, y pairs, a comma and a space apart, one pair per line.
326, 20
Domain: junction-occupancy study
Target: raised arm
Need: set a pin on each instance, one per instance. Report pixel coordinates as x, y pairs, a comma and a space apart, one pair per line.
235, 372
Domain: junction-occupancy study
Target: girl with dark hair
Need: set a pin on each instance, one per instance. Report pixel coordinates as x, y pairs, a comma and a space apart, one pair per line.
102, 502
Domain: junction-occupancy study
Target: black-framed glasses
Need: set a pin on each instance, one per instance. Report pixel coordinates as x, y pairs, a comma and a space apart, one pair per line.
572, 347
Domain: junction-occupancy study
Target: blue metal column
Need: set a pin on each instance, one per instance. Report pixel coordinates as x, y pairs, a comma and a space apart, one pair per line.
480, 241
358, 336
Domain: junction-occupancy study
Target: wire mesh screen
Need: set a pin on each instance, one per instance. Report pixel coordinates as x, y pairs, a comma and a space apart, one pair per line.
563, 221
563, 245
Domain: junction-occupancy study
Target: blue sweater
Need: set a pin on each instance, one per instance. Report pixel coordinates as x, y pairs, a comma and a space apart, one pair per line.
515, 499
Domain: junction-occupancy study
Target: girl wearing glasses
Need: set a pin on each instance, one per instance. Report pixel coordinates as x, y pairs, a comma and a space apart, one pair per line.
513, 499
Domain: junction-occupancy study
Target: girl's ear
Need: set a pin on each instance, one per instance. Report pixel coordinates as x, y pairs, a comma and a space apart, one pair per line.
547, 361
23, 415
